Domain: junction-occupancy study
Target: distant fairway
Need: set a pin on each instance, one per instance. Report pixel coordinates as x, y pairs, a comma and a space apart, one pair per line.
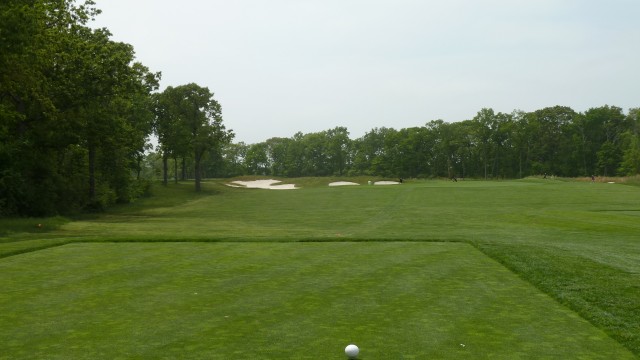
400, 270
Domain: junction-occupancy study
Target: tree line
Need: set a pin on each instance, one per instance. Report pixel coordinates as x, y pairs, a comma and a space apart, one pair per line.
602, 141
77, 110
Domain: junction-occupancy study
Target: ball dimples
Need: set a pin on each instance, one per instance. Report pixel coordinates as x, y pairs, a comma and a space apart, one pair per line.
351, 351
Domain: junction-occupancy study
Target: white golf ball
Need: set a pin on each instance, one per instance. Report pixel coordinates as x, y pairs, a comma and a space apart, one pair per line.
351, 351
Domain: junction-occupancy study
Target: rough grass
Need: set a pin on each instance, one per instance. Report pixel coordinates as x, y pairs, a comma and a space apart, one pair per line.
601, 293
13, 226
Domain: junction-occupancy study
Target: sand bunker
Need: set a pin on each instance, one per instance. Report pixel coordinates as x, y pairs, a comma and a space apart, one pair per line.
343, 183
271, 184
262, 184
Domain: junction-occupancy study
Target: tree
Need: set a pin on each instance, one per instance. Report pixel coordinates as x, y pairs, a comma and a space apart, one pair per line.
29, 181
485, 122
233, 157
501, 139
338, 150
438, 153
598, 133
553, 140
551, 131
277, 150
315, 154
631, 145
631, 157
373, 152
74, 109
191, 110
112, 109
295, 159
522, 142
414, 150
172, 135
257, 161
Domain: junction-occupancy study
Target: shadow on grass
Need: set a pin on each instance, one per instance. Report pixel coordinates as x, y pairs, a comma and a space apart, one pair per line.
10, 226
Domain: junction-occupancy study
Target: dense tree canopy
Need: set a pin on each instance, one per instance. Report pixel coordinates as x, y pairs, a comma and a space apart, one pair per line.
189, 122
74, 108
76, 111
554, 140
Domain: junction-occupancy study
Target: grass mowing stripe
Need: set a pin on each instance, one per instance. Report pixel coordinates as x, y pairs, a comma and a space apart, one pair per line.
580, 283
17, 248
281, 300
596, 222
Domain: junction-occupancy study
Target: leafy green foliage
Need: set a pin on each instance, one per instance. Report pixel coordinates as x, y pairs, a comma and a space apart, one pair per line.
74, 110
189, 120
555, 141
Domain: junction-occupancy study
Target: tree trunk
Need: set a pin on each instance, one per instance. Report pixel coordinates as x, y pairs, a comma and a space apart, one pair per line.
138, 167
520, 163
92, 173
496, 167
165, 169
485, 165
198, 175
175, 169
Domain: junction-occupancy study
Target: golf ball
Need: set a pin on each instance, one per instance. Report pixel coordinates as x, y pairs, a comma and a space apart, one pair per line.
351, 351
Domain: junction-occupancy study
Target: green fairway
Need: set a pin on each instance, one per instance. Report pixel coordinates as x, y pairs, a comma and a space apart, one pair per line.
282, 301
511, 269
509, 211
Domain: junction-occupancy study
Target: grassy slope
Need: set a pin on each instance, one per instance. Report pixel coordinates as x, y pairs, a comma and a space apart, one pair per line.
576, 241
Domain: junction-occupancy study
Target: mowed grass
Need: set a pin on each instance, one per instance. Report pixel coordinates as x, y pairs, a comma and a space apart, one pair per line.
510, 211
396, 300
577, 242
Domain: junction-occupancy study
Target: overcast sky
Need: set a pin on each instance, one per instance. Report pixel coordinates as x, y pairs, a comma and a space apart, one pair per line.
282, 66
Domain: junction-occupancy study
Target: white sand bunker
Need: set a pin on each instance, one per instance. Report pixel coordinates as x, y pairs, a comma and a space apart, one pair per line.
343, 183
262, 184
386, 183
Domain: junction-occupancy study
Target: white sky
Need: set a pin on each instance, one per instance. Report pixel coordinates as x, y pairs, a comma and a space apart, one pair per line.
282, 66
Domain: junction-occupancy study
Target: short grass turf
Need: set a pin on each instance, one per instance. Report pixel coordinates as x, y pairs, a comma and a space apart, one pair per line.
578, 242
396, 300
481, 211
